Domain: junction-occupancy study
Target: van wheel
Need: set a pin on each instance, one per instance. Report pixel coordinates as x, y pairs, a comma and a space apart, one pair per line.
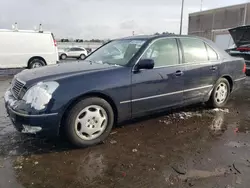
82, 56
35, 63
63, 56
89, 122
220, 94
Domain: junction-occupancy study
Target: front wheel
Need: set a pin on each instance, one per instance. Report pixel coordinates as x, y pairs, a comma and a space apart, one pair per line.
82, 56
220, 94
89, 122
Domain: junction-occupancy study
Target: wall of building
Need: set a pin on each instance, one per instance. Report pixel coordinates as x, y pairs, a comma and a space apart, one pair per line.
209, 23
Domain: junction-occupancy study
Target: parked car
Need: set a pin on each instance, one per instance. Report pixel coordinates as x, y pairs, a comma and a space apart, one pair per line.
74, 52
85, 100
24, 48
241, 37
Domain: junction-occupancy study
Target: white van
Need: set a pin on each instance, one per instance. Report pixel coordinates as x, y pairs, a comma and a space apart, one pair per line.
24, 48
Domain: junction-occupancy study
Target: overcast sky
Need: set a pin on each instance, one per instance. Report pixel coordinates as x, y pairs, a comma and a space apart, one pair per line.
102, 18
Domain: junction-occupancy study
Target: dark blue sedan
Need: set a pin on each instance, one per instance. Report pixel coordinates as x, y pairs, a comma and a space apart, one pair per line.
123, 79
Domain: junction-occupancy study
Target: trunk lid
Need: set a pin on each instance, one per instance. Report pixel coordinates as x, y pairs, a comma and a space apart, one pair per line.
240, 35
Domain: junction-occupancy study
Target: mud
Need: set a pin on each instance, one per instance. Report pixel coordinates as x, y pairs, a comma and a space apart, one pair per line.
188, 147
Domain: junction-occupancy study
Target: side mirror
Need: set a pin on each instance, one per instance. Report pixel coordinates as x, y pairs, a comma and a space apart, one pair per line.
145, 64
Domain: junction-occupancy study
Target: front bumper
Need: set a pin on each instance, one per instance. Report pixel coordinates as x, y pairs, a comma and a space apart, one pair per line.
48, 124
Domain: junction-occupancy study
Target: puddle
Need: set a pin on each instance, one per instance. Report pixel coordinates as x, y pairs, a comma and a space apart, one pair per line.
237, 144
197, 174
217, 123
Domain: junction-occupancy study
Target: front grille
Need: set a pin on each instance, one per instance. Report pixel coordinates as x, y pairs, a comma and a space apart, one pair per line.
16, 87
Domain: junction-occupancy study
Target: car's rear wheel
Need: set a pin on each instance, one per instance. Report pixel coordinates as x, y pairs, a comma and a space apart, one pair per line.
35, 63
89, 122
220, 93
63, 56
82, 56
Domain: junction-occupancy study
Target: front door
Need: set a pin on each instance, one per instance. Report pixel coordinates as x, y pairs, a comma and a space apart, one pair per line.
201, 69
161, 86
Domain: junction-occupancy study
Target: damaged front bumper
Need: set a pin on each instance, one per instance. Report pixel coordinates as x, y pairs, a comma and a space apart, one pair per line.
27, 120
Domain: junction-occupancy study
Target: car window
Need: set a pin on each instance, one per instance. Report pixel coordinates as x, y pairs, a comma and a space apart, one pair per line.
117, 52
212, 55
164, 52
194, 50
73, 49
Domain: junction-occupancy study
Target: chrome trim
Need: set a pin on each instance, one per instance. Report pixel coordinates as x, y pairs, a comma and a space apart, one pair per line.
239, 79
29, 115
166, 94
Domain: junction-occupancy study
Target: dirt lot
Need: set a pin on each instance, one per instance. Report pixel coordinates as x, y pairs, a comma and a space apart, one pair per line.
190, 147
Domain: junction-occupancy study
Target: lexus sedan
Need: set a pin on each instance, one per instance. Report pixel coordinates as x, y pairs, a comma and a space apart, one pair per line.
151, 73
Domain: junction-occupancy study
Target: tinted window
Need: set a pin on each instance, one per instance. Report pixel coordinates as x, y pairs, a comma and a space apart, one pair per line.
212, 55
73, 49
164, 52
194, 50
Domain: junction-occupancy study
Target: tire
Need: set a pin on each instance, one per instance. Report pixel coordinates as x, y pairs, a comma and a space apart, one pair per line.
35, 63
82, 126
219, 98
63, 56
82, 56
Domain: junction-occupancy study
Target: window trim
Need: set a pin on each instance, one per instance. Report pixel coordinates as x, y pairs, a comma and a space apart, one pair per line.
214, 52
151, 43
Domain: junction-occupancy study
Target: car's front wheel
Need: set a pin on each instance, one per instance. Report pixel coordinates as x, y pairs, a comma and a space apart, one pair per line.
82, 56
220, 93
89, 122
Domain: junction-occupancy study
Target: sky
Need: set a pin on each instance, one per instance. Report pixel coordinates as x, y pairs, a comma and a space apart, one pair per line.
102, 19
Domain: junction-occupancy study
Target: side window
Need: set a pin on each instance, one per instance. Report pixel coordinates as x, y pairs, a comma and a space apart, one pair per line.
194, 50
72, 49
212, 55
164, 52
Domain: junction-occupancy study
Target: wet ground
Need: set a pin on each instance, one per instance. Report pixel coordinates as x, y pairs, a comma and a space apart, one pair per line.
189, 147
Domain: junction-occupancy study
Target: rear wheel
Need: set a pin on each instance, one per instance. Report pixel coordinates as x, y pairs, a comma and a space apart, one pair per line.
89, 122
220, 93
35, 63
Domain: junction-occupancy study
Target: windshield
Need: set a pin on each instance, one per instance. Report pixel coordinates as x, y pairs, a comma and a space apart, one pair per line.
117, 52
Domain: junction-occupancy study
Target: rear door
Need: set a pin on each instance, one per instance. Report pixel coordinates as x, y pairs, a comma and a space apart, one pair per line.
161, 86
73, 52
201, 72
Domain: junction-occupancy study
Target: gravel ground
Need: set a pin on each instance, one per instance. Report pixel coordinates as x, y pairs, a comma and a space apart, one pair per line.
188, 147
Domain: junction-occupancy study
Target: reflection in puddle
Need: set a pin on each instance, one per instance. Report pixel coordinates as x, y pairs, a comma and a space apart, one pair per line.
91, 166
197, 174
217, 123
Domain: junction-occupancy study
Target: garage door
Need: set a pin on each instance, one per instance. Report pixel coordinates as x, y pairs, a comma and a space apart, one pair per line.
223, 41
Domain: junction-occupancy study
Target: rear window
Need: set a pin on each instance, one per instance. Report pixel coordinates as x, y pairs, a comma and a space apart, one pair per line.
212, 55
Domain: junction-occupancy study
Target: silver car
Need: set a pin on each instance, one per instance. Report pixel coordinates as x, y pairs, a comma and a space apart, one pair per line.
74, 52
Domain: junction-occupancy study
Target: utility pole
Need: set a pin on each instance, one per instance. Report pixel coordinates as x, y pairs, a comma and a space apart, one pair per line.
182, 5
201, 4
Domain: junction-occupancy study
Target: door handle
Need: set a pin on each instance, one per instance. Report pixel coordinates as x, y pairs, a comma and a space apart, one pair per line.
179, 73
213, 68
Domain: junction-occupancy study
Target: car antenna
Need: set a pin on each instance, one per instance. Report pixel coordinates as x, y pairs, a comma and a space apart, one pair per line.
40, 28
14, 27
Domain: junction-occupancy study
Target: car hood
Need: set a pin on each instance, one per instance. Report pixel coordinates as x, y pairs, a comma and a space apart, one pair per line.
240, 35
61, 70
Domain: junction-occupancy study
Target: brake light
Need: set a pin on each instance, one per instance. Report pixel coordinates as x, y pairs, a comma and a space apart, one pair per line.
55, 43
243, 49
244, 68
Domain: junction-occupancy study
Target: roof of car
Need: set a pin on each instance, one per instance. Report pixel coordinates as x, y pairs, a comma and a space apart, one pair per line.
146, 37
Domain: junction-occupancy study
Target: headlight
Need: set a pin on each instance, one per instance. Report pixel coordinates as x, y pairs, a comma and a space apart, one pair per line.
40, 94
